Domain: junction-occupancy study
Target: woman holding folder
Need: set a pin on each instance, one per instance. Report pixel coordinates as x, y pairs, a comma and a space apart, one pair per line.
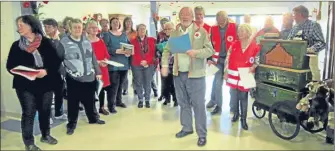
143, 64
243, 53
118, 74
35, 51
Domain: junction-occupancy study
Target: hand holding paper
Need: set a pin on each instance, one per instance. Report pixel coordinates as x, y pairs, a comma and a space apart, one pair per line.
247, 78
191, 53
42, 73
28, 73
211, 70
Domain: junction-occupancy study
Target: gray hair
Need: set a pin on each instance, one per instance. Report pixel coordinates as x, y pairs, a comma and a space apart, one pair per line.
91, 22
199, 8
75, 21
189, 9
169, 23
222, 14
302, 10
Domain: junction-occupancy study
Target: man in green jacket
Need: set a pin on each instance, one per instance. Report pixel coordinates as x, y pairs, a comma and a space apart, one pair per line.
189, 72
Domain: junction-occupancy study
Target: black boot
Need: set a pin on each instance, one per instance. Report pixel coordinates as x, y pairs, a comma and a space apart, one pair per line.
160, 98
329, 140
167, 101
217, 111
244, 111
147, 104
140, 104
244, 124
235, 117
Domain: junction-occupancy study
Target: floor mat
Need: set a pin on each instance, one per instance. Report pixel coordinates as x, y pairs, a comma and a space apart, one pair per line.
15, 125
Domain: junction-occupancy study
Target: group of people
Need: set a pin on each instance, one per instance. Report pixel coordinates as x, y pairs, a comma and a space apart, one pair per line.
80, 55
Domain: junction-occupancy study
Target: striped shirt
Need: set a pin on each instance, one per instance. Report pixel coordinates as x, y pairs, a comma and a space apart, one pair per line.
312, 33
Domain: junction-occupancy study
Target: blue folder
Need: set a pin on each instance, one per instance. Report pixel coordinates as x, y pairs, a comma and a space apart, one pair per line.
180, 44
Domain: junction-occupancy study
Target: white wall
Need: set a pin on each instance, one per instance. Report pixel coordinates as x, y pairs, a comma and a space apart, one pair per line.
58, 10
9, 12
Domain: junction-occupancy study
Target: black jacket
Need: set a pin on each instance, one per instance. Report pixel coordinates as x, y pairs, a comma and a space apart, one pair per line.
51, 63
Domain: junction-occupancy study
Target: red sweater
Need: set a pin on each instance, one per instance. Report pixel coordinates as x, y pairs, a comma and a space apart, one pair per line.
101, 53
149, 56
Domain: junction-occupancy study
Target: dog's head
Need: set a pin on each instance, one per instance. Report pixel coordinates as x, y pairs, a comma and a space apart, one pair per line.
322, 91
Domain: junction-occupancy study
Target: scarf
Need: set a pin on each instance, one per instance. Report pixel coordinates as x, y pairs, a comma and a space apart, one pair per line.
31, 47
143, 45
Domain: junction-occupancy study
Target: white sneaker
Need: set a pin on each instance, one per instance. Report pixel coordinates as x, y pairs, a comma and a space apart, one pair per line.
51, 121
62, 117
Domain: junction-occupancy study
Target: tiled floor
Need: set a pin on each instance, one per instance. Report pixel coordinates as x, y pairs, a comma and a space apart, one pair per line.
154, 129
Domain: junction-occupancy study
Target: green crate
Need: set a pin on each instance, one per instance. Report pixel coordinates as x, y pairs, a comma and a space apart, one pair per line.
294, 50
289, 78
268, 94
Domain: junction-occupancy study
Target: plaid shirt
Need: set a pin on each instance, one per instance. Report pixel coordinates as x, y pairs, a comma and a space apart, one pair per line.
311, 32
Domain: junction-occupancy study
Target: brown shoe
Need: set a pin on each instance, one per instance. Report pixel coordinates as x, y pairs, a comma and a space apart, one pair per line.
103, 111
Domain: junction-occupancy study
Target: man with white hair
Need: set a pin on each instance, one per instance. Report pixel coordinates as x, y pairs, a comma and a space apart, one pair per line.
189, 70
222, 36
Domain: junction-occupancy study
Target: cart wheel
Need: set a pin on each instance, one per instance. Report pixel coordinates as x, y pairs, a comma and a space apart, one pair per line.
286, 124
258, 111
310, 127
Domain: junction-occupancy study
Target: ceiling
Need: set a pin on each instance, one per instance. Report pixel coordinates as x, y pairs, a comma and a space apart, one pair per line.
176, 5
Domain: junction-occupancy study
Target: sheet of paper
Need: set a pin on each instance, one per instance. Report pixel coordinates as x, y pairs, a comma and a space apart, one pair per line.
180, 44
26, 72
211, 70
100, 84
113, 63
247, 79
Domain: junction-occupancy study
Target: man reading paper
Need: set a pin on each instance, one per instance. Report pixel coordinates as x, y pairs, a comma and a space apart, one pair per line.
189, 72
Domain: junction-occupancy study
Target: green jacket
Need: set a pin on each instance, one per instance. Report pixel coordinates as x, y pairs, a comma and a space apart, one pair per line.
200, 42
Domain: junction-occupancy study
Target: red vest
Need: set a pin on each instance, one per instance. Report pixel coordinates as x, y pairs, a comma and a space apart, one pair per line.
238, 59
148, 56
207, 27
230, 36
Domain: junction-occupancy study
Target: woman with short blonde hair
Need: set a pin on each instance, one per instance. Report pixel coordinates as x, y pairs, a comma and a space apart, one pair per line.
243, 53
101, 53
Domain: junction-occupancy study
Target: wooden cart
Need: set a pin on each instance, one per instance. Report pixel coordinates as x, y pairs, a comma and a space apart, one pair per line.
281, 79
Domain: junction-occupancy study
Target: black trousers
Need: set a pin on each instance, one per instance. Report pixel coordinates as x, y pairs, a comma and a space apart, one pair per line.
115, 94
30, 103
102, 96
59, 96
83, 92
168, 87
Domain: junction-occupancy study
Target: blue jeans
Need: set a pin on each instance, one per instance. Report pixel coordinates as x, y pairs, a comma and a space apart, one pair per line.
216, 95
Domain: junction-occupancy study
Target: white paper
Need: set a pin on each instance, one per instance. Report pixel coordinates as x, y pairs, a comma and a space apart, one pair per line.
246, 78
26, 72
100, 84
113, 63
211, 70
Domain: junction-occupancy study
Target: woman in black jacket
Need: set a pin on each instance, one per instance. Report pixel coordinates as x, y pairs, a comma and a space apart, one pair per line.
33, 50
